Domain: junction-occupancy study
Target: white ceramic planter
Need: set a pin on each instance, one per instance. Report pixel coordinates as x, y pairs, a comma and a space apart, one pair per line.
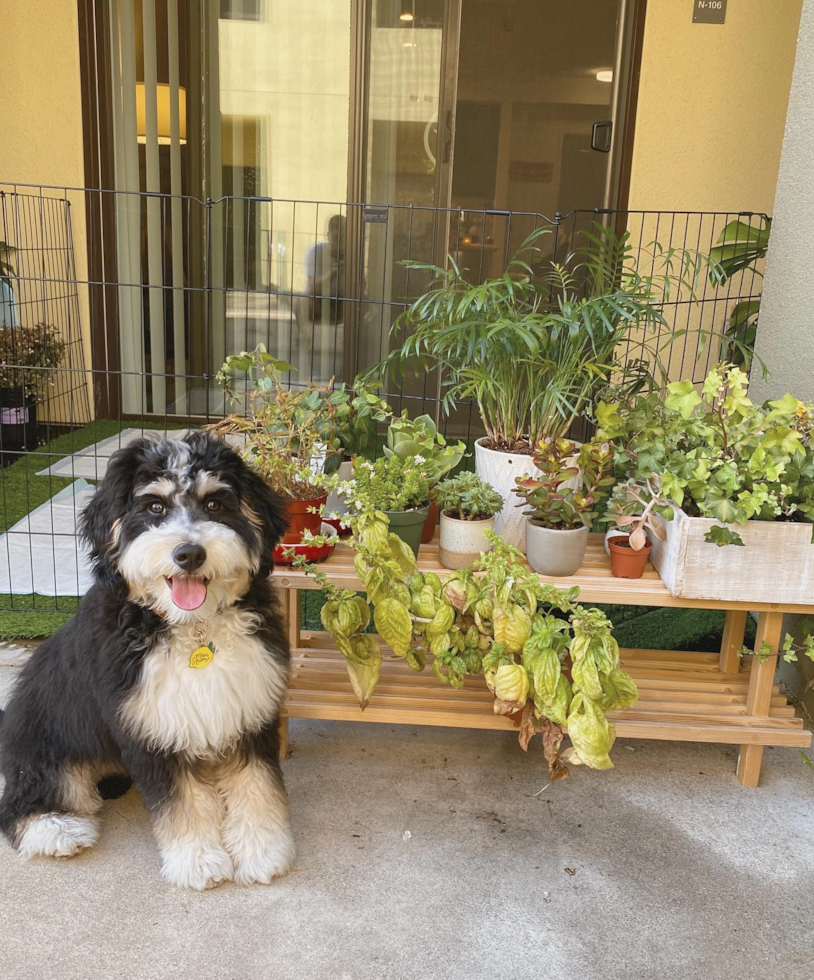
462, 542
613, 532
335, 502
776, 563
553, 552
500, 470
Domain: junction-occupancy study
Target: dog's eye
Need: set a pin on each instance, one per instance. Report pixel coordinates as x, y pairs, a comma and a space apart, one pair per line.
156, 507
213, 506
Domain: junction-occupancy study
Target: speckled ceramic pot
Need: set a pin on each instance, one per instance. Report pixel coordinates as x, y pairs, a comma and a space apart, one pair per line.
462, 542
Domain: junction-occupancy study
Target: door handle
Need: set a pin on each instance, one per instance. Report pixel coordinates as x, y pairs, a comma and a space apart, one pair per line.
601, 136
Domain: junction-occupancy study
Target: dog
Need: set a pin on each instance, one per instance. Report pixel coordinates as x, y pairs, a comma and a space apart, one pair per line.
173, 671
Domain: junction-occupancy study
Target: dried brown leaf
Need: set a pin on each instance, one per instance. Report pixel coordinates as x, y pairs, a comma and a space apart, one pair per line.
552, 740
528, 726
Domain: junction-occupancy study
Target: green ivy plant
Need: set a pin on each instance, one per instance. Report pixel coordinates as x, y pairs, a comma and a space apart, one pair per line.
717, 454
466, 497
550, 503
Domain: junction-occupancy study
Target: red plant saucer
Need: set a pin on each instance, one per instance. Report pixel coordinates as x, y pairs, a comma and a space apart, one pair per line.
314, 553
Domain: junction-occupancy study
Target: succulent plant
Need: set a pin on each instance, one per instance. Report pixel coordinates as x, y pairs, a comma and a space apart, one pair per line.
466, 497
420, 437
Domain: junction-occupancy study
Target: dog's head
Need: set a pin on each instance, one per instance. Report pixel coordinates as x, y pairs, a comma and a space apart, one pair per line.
186, 523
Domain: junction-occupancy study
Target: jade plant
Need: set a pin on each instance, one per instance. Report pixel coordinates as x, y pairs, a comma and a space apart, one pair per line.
466, 497
716, 453
389, 483
550, 501
420, 438
551, 663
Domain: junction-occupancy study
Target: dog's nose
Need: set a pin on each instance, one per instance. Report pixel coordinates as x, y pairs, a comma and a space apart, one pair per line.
189, 556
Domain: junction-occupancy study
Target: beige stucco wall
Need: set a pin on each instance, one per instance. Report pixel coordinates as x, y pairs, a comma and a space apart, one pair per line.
712, 106
41, 114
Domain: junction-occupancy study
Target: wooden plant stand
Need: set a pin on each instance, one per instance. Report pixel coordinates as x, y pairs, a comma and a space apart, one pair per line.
687, 697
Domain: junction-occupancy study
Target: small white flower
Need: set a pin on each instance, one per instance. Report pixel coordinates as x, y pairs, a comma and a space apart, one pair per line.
358, 504
419, 459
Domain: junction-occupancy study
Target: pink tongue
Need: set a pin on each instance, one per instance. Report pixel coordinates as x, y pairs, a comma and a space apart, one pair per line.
188, 592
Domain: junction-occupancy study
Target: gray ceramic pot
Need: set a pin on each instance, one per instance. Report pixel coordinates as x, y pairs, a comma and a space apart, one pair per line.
554, 552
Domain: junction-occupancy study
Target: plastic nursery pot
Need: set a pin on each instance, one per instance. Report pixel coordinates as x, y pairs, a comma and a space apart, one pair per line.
300, 519
462, 542
555, 551
430, 524
408, 525
625, 562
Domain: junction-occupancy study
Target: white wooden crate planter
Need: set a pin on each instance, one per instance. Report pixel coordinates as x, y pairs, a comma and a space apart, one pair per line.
776, 563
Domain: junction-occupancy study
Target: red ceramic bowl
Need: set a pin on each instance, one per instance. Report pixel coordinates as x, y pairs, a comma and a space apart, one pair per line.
313, 553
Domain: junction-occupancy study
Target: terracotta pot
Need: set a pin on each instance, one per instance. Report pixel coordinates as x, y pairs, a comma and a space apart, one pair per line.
300, 519
407, 524
625, 562
430, 524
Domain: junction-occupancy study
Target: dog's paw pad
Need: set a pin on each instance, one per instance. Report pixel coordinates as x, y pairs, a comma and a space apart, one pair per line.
57, 835
198, 868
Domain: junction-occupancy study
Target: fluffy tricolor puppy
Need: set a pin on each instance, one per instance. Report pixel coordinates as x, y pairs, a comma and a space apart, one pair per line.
173, 671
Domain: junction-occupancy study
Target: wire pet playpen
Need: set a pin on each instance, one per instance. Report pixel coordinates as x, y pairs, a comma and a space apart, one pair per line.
131, 301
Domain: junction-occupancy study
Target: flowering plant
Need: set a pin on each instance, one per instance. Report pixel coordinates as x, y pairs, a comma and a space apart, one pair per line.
388, 484
24, 348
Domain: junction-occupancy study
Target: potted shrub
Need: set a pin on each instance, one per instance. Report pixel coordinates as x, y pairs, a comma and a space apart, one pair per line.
560, 516
397, 488
468, 506
533, 348
632, 509
28, 357
740, 481
421, 439
289, 435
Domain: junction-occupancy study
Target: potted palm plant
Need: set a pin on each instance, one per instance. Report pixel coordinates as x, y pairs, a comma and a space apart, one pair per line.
535, 346
468, 506
559, 515
419, 438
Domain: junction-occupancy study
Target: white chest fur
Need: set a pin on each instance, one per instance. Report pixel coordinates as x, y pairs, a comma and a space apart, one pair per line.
204, 711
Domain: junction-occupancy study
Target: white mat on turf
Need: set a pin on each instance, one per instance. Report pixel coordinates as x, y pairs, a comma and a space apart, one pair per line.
42, 554
91, 462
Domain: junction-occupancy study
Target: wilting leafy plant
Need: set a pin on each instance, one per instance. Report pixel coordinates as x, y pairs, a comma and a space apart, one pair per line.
551, 502
716, 453
549, 661
466, 497
534, 346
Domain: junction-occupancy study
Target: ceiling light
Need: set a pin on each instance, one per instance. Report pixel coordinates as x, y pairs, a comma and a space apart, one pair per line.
606, 75
406, 16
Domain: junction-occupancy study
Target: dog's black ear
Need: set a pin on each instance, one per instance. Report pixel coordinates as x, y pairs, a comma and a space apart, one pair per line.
269, 508
98, 525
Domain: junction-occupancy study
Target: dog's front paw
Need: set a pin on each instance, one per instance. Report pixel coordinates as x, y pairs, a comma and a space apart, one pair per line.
264, 858
196, 867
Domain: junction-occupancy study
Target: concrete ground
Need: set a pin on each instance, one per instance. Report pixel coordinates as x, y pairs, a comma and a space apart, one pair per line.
428, 853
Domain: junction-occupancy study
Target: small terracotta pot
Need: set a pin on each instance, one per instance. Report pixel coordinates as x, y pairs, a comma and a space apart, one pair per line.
300, 519
625, 562
430, 524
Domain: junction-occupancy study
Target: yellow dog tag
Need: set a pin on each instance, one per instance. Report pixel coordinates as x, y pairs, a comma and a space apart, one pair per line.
202, 656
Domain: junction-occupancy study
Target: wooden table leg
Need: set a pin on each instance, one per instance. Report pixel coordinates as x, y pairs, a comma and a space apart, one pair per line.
293, 617
283, 737
734, 629
759, 696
